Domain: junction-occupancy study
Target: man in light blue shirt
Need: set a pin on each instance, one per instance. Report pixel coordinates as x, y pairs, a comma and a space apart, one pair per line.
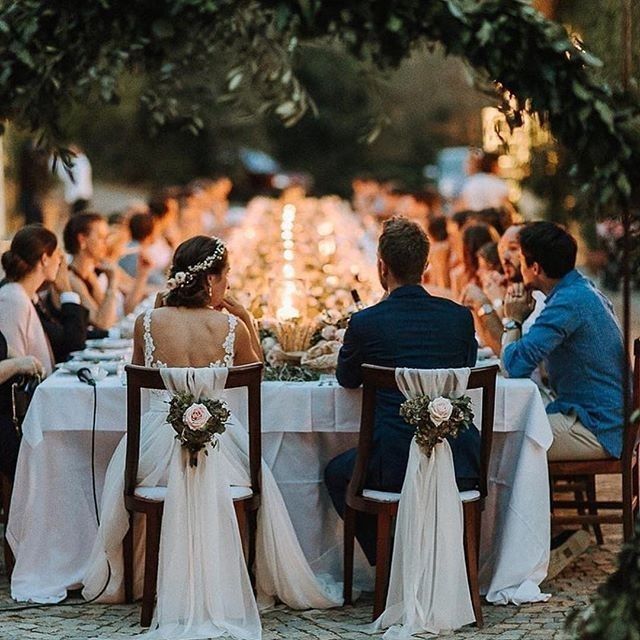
578, 338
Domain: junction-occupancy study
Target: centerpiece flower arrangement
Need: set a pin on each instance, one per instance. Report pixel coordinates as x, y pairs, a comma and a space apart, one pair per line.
437, 418
197, 422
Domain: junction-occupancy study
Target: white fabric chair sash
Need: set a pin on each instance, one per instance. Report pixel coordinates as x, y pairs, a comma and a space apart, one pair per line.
428, 587
203, 584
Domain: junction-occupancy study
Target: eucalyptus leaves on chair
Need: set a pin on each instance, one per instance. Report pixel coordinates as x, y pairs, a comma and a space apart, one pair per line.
436, 419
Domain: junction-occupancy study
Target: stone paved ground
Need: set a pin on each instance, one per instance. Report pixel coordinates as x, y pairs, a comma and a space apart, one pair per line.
571, 588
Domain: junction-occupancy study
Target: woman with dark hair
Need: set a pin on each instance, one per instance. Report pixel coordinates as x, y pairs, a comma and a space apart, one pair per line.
86, 239
200, 327
32, 260
474, 235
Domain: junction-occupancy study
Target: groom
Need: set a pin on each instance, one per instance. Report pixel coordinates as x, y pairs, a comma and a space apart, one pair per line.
408, 328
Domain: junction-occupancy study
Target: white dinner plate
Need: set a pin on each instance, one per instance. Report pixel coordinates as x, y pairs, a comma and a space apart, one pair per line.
110, 343
98, 371
95, 355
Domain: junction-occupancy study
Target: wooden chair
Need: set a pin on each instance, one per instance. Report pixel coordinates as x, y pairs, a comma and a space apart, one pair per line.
384, 505
6, 488
584, 472
150, 500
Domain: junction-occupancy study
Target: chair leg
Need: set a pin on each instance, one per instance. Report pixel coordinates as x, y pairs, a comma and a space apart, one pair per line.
241, 516
627, 508
127, 553
593, 509
151, 558
252, 530
349, 541
471, 552
579, 498
6, 489
383, 561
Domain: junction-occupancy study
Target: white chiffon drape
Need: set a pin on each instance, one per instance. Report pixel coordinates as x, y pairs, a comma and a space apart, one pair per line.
428, 588
203, 586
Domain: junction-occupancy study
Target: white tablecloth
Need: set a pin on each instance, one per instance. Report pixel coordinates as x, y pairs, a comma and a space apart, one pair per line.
52, 522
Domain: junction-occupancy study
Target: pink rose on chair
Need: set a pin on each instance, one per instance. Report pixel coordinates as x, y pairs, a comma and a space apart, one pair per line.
440, 410
196, 417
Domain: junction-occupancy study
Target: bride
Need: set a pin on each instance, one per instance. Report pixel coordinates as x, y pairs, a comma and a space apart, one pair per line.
199, 327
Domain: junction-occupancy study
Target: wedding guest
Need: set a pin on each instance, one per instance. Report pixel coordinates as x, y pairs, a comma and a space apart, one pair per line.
103, 287
488, 260
484, 189
32, 260
439, 274
578, 337
409, 328
487, 300
10, 367
164, 207
137, 257
474, 236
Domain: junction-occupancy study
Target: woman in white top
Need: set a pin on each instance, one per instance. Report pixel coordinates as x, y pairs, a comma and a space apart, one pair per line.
33, 259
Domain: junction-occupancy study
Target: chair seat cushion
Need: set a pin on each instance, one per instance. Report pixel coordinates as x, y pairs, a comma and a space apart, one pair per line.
158, 494
389, 496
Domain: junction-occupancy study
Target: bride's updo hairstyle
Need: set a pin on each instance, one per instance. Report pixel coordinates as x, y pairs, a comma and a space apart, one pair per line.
193, 261
27, 247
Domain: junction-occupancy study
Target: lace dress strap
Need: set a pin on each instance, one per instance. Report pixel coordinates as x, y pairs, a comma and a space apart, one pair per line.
230, 341
149, 346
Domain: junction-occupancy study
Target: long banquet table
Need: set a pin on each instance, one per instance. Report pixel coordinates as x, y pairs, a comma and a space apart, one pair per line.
52, 524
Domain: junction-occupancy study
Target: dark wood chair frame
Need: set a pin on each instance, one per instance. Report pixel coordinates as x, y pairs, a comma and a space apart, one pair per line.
139, 378
375, 378
572, 476
6, 489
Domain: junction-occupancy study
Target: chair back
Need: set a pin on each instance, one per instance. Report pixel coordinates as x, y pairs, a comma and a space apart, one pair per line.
630, 437
138, 378
375, 377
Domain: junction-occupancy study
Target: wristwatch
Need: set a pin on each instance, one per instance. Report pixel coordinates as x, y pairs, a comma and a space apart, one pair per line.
485, 309
510, 324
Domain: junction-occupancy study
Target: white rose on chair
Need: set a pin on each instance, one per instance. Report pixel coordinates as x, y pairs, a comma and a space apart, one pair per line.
440, 410
196, 417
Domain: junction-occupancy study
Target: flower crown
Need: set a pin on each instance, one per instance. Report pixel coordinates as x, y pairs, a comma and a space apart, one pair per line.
182, 278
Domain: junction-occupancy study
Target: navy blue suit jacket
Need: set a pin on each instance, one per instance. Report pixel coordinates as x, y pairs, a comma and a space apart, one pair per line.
410, 328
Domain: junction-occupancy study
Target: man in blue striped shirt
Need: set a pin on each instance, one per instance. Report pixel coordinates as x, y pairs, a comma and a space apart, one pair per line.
577, 337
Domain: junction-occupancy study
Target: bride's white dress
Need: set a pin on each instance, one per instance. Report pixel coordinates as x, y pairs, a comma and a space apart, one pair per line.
189, 573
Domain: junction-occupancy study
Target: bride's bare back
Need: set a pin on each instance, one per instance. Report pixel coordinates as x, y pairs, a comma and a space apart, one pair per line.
184, 337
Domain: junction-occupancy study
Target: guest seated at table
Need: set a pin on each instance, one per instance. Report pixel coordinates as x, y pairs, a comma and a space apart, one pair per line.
9, 439
487, 300
99, 283
474, 236
409, 328
200, 326
578, 337
31, 329
137, 257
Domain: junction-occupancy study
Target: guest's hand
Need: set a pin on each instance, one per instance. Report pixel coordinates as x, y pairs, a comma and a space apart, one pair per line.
62, 282
29, 365
474, 297
110, 269
235, 308
518, 303
494, 285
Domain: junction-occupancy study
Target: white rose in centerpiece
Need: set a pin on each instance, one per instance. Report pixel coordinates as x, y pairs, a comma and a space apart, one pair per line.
440, 410
196, 417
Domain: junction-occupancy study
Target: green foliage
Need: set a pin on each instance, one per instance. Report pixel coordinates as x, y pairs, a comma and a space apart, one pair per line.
58, 53
615, 612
